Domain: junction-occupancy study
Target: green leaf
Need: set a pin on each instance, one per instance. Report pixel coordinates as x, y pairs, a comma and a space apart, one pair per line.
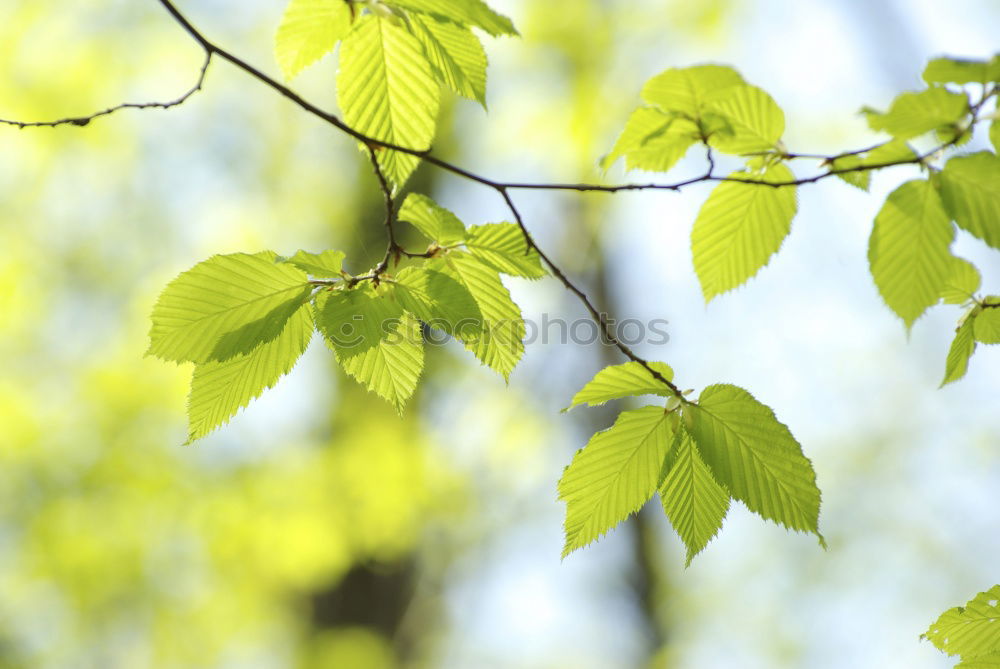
995, 135
387, 91
309, 30
908, 249
502, 246
469, 12
893, 151
687, 90
325, 265
991, 661
739, 228
962, 348
970, 189
859, 179
755, 457
220, 389
693, 500
624, 380
613, 475
754, 121
913, 114
972, 630
456, 55
986, 325
375, 341
439, 300
500, 343
652, 141
962, 283
959, 71
225, 306
435, 222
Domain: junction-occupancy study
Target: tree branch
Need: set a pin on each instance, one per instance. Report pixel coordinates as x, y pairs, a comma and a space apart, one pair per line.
85, 120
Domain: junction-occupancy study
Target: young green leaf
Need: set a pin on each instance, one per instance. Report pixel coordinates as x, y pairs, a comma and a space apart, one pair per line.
325, 265
434, 222
220, 389
652, 141
439, 300
986, 325
859, 179
387, 91
754, 121
959, 71
467, 12
970, 189
971, 631
375, 341
500, 343
913, 114
455, 54
755, 457
687, 90
693, 500
225, 306
962, 283
962, 348
739, 228
625, 380
502, 246
614, 474
908, 249
309, 30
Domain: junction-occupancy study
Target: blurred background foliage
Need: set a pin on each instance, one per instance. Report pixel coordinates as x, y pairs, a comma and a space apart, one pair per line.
319, 530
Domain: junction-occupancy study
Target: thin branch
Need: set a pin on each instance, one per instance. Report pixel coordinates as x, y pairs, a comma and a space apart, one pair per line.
392, 248
81, 121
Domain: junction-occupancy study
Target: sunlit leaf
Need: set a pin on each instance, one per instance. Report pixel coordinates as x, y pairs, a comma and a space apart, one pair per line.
469, 12
375, 341
456, 55
309, 30
687, 90
324, 265
962, 348
754, 121
859, 179
387, 90
972, 630
913, 114
970, 190
220, 389
693, 500
225, 306
962, 283
500, 343
433, 221
502, 246
624, 380
986, 325
892, 152
739, 228
755, 457
908, 249
439, 300
614, 474
652, 141
958, 71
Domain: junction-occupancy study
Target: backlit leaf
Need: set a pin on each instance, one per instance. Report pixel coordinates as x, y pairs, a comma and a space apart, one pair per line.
959, 71
913, 114
439, 300
652, 141
309, 30
755, 457
220, 389
469, 12
456, 55
970, 190
624, 380
972, 630
225, 306
754, 121
687, 90
502, 246
614, 474
693, 500
962, 348
986, 325
433, 221
739, 228
325, 265
387, 91
375, 341
962, 283
908, 249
